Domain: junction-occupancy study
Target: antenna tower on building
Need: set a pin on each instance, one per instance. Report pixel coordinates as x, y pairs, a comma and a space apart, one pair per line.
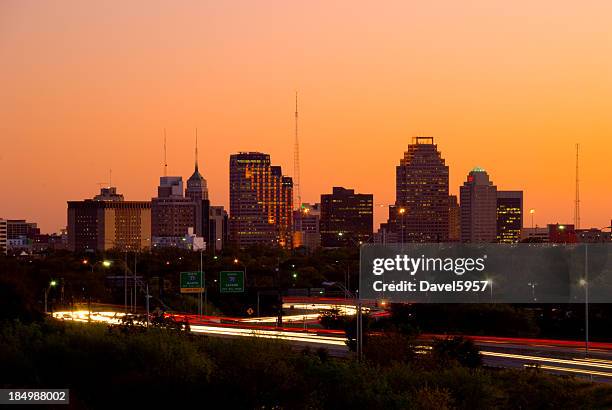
577, 199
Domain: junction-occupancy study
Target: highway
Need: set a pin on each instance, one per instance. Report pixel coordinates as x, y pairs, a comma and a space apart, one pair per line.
554, 356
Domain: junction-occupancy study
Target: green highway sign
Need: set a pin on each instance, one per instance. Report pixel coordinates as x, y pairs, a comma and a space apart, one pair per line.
191, 282
231, 282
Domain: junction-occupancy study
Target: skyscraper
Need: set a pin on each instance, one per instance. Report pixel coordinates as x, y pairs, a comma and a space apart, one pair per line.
454, 219
346, 218
197, 188
260, 201
197, 191
509, 216
172, 214
218, 230
421, 201
102, 224
478, 198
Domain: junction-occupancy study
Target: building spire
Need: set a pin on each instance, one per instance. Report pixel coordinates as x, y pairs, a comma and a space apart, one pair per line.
165, 161
196, 151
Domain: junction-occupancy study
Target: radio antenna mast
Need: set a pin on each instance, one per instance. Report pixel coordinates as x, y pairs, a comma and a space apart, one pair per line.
296, 160
577, 199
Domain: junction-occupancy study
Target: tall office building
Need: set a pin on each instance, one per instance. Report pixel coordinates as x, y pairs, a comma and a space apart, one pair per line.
197, 191
3, 237
20, 228
172, 214
421, 201
170, 187
217, 228
346, 218
175, 215
260, 201
197, 188
306, 231
454, 219
99, 224
20, 234
478, 201
509, 216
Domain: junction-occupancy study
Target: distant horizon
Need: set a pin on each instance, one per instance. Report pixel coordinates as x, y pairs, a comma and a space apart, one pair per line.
511, 88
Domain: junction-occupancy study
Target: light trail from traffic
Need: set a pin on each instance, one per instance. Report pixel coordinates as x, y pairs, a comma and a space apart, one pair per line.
568, 370
548, 359
223, 330
337, 340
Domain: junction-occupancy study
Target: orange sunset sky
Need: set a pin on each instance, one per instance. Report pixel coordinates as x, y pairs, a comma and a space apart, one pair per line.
508, 86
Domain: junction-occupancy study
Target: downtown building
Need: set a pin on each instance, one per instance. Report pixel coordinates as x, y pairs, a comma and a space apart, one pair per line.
346, 218
509, 216
261, 202
593, 235
306, 226
184, 218
567, 233
454, 219
20, 235
50, 242
3, 238
478, 202
109, 222
176, 217
218, 228
534, 235
561, 233
197, 191
421, 209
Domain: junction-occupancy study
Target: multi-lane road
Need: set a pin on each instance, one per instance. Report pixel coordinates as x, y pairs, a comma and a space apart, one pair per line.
555, 356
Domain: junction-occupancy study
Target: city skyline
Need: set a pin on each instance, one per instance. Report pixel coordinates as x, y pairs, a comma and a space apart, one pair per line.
509, 88
380, 207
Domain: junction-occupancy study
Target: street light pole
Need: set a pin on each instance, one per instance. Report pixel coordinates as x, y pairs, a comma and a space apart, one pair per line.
51, 284
348, 276
586, 301
135, 292
125, 283
359, 331
203, 280
147, 290
279, 319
